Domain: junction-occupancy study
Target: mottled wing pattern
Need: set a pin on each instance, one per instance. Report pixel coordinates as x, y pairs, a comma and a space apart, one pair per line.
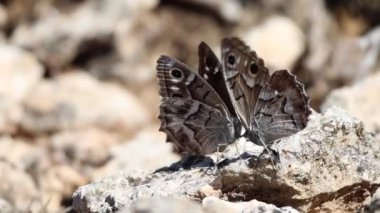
282, 107
245, 76
198, 112
211, 70
176, 80
195, 127
192, 114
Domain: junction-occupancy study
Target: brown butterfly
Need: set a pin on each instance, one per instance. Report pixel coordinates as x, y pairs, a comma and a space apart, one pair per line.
200, 112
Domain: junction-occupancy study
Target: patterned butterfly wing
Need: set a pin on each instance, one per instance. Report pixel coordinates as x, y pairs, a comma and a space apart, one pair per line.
194, 127
245, 76
192, 114
212, 71
282, 108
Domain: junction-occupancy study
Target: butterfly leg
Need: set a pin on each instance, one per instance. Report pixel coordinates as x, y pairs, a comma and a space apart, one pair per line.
265, 146
217, 152
273, 155
238, 152
219, 160
255, 138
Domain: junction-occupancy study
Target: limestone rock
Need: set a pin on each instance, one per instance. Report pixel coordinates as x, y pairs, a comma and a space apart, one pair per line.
77, 100
5, 206
16, 152
361, 100
55, 183
84, 147
139, 52
213, 204
374, 206
163, 205
58, 37
355, 58
146, 150
335, 61
91, 199
229, 11
279, 52
331, 165
32, 176
18, 188
136, 6
19, 73
3, 17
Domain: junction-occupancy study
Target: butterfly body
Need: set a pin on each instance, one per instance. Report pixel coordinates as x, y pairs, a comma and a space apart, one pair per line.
200, 112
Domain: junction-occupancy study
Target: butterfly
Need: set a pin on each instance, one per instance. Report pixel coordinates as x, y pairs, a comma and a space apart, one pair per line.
201, 111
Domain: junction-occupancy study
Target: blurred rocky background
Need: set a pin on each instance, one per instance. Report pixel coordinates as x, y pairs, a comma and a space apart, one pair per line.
78, 90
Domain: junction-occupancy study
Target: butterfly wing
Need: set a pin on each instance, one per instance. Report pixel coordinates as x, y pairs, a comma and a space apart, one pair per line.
192, 114
211, 70
245, 76
282, 108
195, 127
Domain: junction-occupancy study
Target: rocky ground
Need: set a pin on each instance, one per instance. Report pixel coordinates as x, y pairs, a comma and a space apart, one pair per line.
332, 165
78, 106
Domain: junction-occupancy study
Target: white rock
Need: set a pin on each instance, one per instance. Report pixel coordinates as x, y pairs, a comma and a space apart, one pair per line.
5, 206
56, 182
18, 188
332, 164
83, 147
214, 204
362, 100
146, 151
3, 16
77, 100
16, 152
23, 68
279, 41
26, 165
353, 59
19, 73
164, 205
230, 10
107, 203
374, 206
57, 36
138, 6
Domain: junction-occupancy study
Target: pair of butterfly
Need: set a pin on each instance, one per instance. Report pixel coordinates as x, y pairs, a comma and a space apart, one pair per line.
200, 112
